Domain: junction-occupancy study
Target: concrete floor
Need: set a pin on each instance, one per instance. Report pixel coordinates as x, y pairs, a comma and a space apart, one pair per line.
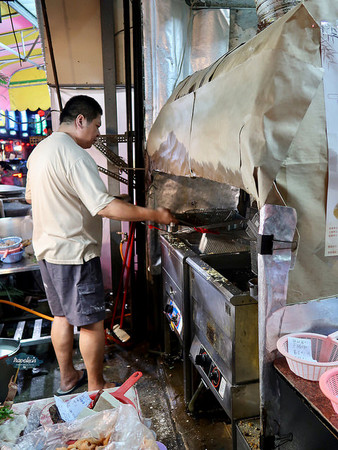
160, 391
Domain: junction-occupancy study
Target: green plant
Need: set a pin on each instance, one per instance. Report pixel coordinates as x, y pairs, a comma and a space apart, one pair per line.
5, 413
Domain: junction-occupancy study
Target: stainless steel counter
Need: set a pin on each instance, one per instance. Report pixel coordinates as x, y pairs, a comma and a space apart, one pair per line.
27, 263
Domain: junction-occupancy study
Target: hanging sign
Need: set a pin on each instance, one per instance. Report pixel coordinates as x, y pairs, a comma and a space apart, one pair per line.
329, 52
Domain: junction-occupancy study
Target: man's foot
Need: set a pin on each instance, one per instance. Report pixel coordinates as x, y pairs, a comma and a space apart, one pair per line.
70, 387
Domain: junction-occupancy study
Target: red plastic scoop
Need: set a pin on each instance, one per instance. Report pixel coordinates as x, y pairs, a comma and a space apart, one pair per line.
119, 393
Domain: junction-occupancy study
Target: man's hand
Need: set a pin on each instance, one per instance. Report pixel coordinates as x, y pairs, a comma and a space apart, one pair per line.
164, 216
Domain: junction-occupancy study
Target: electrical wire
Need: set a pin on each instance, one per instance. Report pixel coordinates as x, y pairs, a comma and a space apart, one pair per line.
124, 266
121, 251
132, 231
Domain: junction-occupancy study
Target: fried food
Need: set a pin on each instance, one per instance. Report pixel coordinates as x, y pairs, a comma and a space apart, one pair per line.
87, 444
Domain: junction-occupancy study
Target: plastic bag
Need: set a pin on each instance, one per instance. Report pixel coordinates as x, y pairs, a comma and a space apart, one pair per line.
123, 424
130, 433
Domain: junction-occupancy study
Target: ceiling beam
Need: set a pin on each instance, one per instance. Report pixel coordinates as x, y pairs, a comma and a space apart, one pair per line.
232, 4
15, 52
9, 49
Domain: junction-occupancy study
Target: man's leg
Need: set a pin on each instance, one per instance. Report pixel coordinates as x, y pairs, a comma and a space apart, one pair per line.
92, 340
62, 335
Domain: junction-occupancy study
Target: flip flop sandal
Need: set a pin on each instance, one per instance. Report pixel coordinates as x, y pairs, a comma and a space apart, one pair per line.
79, 383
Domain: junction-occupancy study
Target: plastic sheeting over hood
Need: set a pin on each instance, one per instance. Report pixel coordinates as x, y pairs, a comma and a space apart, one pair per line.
234, 122
178, 41
255, 119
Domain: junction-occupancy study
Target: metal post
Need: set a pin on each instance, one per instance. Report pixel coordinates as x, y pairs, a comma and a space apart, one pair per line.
141, 312
51, 52
109, 80
130, 149
127, 52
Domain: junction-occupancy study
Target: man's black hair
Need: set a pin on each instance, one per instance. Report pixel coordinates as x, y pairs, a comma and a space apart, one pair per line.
80, 104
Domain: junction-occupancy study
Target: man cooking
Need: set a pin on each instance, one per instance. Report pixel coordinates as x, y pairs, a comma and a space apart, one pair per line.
68, 201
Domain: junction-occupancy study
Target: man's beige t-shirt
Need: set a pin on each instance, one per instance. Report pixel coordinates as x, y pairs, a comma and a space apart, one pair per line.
67, 192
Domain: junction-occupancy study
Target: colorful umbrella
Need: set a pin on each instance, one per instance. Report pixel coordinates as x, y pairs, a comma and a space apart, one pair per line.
23, 83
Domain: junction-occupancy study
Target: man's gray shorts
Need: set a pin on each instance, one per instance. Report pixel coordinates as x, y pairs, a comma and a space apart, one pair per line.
75, 291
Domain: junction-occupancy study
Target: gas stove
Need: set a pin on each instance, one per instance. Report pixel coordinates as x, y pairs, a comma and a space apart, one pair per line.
224, 329
180, 250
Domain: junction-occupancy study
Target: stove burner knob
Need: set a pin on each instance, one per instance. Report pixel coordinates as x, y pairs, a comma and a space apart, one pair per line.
214, 376
168, 308
202, 360
175, 319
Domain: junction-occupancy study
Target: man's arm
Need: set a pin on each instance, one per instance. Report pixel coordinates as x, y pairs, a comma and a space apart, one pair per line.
121, 210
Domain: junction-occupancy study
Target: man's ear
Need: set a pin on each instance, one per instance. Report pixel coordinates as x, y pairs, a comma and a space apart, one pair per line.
79, 121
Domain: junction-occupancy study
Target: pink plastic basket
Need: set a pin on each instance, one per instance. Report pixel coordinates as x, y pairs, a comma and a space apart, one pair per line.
328, 384
324, 352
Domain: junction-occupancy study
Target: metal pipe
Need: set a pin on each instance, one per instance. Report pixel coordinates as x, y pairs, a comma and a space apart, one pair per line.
268, 11
138, 100
141, 312
51, 52
191, 405
78, 86
110, 106
126, 20
130, 145
218, 4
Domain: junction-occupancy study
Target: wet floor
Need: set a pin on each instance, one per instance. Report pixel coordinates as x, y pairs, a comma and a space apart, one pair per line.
160, 392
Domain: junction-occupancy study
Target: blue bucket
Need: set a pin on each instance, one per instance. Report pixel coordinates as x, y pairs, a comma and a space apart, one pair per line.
13, 257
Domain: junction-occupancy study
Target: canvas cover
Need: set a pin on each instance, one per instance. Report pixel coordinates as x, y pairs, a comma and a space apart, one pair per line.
255, 119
